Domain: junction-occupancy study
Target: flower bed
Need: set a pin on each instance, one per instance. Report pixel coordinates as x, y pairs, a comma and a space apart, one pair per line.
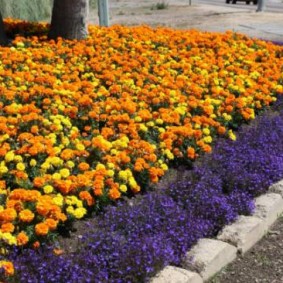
85, 123
131, 242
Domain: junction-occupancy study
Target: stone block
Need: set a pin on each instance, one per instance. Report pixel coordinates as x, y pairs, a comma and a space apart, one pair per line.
171, 274
209, 256
269, 207
277, 188
243, 233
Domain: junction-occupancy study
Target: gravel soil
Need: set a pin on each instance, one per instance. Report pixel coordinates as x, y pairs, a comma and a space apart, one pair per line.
262, 264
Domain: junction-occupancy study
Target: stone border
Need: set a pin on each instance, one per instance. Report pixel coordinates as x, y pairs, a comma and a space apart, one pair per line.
209, 256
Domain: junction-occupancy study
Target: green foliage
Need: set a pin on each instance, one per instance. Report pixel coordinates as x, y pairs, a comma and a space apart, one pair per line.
92, 4
160, 6
31, 10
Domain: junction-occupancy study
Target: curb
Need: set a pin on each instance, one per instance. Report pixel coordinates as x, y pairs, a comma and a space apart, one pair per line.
209, 256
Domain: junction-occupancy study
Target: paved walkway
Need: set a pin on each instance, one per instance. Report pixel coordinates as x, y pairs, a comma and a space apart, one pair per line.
213, 17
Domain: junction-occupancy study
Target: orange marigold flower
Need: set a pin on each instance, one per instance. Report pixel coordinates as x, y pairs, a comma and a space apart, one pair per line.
221, 130
58, 251
98, 191
51, 223
22, 239
41, 229
7, 228
114, 194
86, 196
26, 215
42, 208
8, 215
36, 245
83, 166
207, 148
8, 267
38, 182
191, 153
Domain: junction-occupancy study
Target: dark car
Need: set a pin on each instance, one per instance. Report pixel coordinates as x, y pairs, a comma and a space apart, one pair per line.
247, 1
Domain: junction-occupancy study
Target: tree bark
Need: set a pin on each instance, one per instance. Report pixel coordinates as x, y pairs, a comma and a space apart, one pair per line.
69, 19
3, 38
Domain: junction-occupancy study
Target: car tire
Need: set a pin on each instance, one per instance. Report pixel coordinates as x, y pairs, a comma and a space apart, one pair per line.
248, 2
255, 2
227, 1
234, 1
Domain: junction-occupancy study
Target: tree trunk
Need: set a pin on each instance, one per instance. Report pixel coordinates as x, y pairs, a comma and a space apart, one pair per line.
69, 19
3, 38
260, 6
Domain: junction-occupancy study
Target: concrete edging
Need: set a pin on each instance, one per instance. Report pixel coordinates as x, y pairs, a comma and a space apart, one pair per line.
209, 256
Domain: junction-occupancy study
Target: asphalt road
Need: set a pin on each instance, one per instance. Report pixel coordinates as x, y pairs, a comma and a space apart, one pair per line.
272, 6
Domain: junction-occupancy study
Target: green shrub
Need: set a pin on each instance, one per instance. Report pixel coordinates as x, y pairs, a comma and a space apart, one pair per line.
160, 6
31, 10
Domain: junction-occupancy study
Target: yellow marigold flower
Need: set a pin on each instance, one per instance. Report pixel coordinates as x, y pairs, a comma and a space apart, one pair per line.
3, 137
79, 212
56, 176
143, 128
57, 122
138, 119
110, 165
18, 158
71, 200
3, 169
58, 200
206, 131
66, 121
21, 166
70, 209
57, 149
45, 166
227, 117
169, 154
129, 173
123, 188
110, 173
159, 121
207, 139
8, 238
132, 182
164, 167
231, 135
123, 175
65, 141
9, 156
32, 162
56, 161
80, 147
99, 166
70, 164
48, 189
65, 173
114, 151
